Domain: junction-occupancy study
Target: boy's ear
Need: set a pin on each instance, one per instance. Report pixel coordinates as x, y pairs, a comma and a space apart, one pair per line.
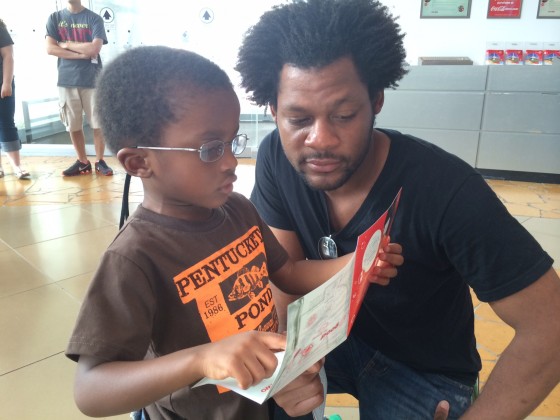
135, 162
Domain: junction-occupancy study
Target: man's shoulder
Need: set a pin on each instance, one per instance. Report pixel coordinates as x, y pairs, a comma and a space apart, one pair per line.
270, 139
419, 149
90, 12
271, 146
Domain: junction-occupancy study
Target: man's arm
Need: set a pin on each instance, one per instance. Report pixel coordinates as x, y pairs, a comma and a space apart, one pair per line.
89, 49
7, 54
53, 48
529, 368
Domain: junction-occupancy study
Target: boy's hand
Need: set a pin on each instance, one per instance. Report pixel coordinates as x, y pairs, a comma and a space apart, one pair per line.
303, 394
390, 257
248, 357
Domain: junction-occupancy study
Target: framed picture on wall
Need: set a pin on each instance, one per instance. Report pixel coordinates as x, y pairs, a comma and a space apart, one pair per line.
445, 9
548, 9
504, 8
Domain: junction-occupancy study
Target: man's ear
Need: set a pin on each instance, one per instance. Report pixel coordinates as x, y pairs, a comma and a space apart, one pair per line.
135, 162
272, 112
377, 103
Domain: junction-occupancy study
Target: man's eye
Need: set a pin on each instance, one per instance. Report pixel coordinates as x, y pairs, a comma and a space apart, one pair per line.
345, 117
298, 121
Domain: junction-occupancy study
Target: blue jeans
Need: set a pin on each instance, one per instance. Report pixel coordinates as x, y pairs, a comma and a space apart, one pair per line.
9, 140
138, 415
389, 390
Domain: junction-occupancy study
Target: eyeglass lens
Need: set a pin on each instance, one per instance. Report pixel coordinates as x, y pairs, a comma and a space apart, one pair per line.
327, 248
214, 150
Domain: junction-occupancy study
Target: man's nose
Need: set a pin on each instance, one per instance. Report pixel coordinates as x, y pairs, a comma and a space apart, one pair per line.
322, 136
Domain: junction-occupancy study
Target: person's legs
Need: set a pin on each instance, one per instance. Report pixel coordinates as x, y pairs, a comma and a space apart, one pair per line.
71, 115
79, 142
14, 158
99, 143
9, 139
387, 389
88, 101
101, 166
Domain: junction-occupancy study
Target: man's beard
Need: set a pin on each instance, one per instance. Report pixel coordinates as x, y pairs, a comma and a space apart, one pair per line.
349, 169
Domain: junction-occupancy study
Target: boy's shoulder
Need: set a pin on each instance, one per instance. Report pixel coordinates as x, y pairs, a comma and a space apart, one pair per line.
239, 201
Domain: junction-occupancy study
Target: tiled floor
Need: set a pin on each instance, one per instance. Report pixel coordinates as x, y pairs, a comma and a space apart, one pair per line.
52, 232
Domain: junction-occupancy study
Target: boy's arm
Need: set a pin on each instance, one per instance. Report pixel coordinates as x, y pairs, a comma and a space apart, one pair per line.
110, 388
299, 276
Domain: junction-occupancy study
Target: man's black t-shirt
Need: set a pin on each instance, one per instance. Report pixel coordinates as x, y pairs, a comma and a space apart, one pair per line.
454, 231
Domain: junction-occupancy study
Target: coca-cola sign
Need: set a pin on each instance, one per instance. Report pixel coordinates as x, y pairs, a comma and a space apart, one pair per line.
504, 8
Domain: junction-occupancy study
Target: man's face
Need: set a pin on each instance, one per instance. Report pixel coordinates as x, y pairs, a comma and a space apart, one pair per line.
325, 119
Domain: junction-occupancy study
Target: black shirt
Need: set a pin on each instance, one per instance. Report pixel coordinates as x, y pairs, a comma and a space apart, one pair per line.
455, 233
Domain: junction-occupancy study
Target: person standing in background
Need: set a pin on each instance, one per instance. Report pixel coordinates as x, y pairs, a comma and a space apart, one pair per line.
75, 35
9, 139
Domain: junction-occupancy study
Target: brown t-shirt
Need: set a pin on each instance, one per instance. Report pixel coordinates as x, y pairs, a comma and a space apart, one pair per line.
166, 284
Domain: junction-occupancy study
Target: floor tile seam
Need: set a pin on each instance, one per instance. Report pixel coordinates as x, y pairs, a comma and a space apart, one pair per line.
111, 222
40, 211
67, 292
109, 225
30, 263
31, 289
480, 346
32, 363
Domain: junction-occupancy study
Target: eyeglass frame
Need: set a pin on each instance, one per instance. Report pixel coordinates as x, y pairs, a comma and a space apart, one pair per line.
327, 242
205, 147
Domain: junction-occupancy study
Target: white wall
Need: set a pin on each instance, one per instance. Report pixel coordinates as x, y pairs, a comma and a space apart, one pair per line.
178, 23
468, 37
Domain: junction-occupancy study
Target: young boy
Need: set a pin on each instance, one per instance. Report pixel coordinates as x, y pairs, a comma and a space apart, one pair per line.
182, 292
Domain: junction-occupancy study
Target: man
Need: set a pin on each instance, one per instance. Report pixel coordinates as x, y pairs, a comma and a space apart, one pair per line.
75, 35
322, 67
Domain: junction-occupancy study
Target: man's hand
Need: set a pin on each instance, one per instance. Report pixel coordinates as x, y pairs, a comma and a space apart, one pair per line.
442, 411
390, 257
303, 394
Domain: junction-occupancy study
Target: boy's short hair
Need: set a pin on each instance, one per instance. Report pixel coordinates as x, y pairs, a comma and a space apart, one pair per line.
315, 33
137, 92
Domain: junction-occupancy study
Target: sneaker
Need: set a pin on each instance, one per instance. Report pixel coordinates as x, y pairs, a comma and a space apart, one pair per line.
102, 169
22, 173
78, 168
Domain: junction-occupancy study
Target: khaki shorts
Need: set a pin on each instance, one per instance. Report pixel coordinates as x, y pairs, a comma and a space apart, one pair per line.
73, 103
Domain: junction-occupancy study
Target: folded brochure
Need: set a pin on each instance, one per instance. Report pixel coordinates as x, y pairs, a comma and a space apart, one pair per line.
322, 319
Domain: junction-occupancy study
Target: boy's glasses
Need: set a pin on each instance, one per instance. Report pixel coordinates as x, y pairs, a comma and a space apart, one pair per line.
211, 151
